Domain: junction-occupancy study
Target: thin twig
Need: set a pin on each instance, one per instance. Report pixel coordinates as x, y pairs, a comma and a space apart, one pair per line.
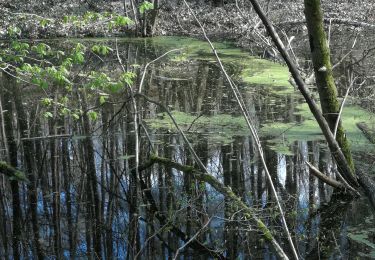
192, 238
341, 109
148, 64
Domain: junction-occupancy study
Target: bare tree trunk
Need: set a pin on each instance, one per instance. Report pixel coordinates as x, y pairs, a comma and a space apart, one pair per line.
153, 18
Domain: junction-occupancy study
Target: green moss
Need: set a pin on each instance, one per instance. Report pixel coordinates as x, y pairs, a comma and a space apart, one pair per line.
12, 173
266, 232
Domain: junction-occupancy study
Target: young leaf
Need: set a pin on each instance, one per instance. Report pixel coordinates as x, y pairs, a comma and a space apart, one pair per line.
93, 115
48, 115
145, 6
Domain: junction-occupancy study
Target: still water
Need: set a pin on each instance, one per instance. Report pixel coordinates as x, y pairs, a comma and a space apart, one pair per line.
89, 199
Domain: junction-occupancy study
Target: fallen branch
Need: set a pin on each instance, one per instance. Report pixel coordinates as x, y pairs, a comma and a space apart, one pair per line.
324, 178
227, 192
369, 133
368, 185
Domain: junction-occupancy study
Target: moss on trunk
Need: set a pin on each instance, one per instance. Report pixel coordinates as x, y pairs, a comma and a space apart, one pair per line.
323, 72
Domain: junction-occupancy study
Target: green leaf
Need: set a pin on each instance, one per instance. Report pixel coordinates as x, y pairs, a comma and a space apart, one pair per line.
14, 31
48, 115
42, 49
44, 22
145, 6
101, 49
128, 78
64, 100
78, 58
102, 99
64, 111
75, 116
122, 21
66, 19
47, 101
80, 47
93, 115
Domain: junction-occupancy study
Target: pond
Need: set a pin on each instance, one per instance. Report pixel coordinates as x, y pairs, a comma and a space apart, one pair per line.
76, 143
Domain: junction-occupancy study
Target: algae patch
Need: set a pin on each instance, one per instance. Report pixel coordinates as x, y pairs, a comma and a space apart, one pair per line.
308, 130
220, 128
251, 70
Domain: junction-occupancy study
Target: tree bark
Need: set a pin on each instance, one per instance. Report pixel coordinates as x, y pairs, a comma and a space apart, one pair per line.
343, 165
325, 82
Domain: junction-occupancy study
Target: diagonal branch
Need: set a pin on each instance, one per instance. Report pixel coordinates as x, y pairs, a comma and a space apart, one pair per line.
252, 129
226, 191
323, 124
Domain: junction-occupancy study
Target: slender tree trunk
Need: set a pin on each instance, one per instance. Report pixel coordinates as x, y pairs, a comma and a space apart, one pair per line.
28, 152
153, 17
55, 177
9, 83
93, 194
68, 201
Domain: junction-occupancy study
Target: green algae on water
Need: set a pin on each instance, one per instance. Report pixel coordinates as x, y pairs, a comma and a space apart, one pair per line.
220, 128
